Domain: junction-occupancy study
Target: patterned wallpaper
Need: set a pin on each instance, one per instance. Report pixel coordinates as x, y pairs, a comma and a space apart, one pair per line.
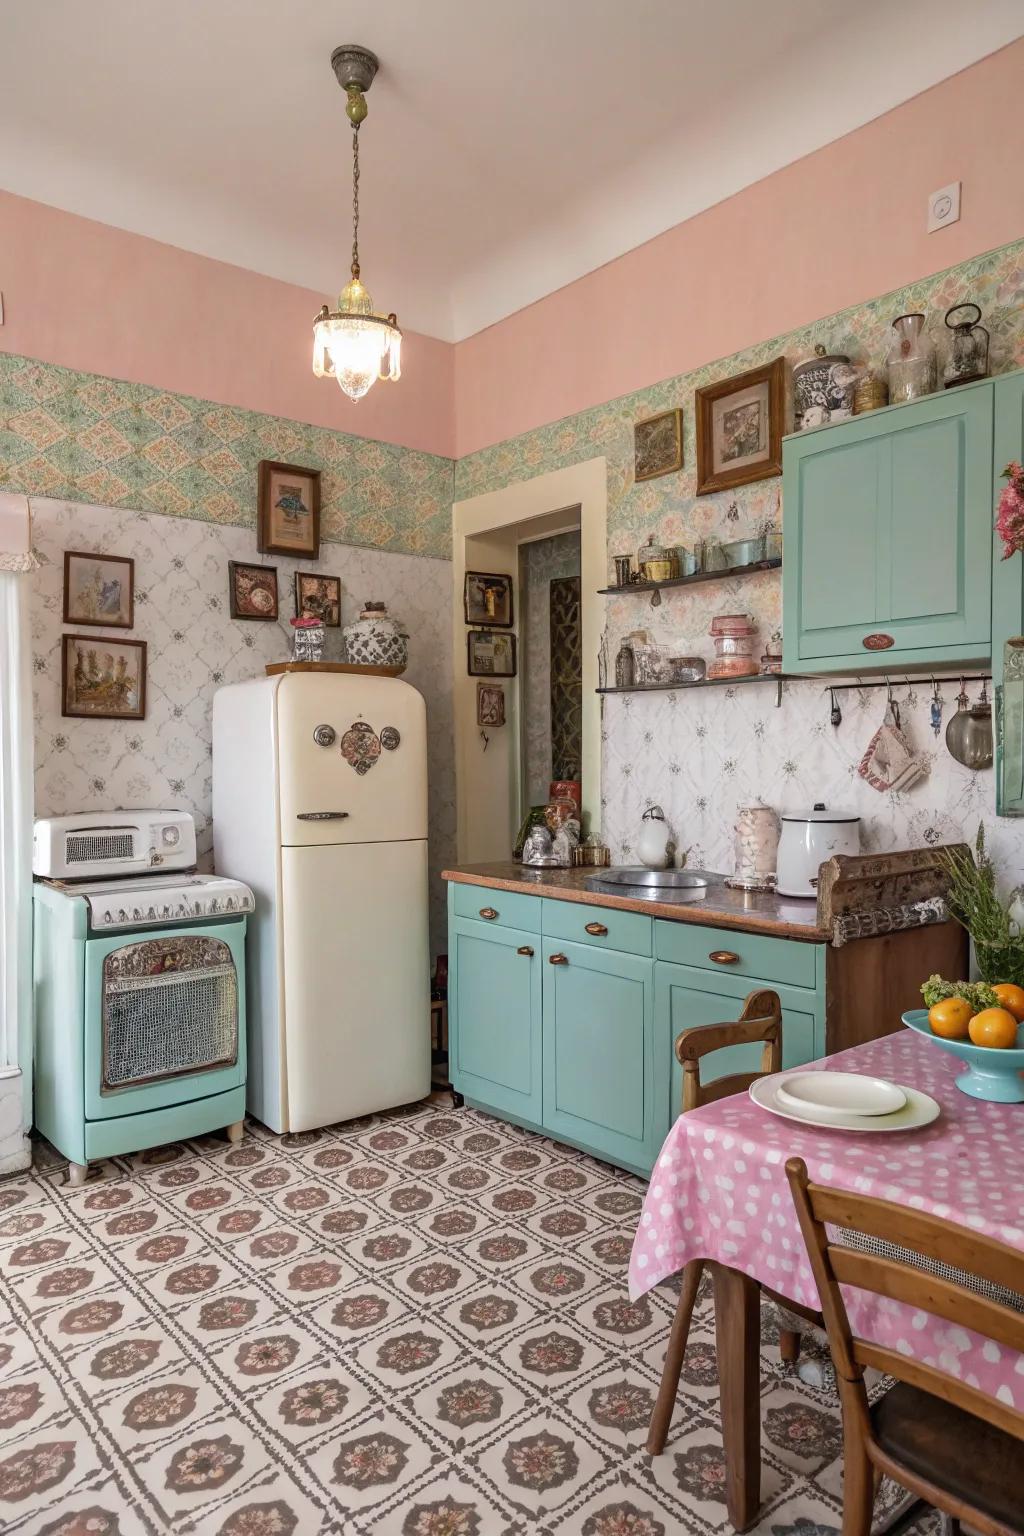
181, 611
80, 437
540, 563
699, 756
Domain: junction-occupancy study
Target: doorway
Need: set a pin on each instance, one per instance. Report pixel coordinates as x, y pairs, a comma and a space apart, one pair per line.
551, 690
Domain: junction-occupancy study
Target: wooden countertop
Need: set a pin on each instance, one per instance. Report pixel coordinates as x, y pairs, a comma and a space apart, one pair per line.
722, 907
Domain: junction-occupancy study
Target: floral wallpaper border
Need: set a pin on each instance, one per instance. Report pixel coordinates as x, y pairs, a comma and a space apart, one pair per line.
82, 437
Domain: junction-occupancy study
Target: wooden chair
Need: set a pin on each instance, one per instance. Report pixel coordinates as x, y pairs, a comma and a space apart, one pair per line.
951, 1444
759, 1023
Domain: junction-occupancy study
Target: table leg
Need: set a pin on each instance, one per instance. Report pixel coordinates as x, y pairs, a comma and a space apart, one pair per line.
737, 1340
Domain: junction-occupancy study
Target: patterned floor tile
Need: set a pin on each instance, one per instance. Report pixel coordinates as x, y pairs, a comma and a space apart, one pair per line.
412, 1325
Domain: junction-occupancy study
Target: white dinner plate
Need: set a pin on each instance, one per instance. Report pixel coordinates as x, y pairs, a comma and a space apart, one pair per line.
919, 1110
831, 1096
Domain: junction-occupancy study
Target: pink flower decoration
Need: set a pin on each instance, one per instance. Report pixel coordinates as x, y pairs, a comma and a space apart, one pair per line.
1010, 513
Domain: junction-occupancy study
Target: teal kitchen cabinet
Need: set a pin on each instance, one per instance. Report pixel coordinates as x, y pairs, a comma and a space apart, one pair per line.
1008, 608
887, 534
494, 1035
686, 998
599, 1058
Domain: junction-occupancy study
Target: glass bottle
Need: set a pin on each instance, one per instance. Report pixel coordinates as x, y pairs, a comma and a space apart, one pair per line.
911, 360
625, 667
968, 346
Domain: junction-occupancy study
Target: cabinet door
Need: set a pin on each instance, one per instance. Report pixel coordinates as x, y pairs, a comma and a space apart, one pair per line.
886, 533
494, 1017
598, 1051
1008, 609
686, 998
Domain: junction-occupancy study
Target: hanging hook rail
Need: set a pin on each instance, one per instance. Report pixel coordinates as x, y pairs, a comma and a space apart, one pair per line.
907, 682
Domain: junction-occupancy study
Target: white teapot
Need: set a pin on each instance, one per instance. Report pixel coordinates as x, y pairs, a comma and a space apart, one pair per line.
655, 846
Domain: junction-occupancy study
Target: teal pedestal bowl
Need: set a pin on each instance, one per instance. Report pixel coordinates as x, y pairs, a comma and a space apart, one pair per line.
991, 1074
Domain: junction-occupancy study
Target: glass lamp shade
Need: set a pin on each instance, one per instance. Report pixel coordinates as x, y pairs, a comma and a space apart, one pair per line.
355, 346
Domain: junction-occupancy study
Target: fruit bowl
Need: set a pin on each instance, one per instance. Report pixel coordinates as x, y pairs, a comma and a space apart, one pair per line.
991, 1074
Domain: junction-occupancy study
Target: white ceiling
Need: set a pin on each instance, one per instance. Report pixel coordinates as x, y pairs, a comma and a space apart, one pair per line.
511, 146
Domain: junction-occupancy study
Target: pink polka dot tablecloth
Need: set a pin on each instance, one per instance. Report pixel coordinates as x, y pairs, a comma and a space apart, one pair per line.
719, 1191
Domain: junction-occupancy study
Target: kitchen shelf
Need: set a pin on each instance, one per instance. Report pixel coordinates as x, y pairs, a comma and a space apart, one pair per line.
711, 682
692, 581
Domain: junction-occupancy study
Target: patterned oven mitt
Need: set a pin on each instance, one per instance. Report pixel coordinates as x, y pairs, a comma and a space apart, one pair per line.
890, 762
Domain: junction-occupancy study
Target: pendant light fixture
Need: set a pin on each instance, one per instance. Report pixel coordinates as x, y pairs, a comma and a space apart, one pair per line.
353, 344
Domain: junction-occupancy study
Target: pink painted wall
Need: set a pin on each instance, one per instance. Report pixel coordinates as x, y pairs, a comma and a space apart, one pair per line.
841, 226
89, 296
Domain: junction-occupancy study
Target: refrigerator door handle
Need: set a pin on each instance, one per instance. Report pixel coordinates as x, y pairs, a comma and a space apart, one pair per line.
321, 816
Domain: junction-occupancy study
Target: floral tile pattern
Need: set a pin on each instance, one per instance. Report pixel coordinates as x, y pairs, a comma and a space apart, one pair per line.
81, 437
319, 1332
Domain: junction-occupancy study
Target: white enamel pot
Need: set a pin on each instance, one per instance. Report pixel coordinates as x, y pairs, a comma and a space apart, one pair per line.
808, 839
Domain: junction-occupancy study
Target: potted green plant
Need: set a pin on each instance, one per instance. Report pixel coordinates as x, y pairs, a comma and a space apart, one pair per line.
972, 898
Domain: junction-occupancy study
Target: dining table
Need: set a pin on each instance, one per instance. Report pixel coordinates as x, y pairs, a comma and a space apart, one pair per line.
719, 1192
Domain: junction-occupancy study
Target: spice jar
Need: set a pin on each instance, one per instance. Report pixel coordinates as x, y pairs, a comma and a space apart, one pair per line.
871, 393
734, 635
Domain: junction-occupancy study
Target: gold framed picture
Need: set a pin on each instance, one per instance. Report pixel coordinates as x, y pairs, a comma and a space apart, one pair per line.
658, 445
288, 510
102, 678
739, 428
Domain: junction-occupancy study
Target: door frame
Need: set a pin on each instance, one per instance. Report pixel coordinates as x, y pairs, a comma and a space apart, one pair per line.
487, 784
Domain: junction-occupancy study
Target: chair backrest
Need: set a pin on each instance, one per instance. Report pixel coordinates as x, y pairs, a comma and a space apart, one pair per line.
759, 1022
930, 1239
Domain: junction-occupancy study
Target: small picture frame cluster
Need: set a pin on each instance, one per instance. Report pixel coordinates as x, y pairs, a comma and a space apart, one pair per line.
102, 677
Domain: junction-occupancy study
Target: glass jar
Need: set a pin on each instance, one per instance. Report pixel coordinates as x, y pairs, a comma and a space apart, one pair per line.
734, 635
655, 563
968, 346
911, 361
625, 667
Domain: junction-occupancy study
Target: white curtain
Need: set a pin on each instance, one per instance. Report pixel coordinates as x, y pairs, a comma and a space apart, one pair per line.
16, 564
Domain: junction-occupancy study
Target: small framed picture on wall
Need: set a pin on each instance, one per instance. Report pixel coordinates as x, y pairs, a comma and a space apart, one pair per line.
739, 428
488, 599
319, 597
658, 445
490, 654
99, 589
490, 704
288, 510
252, 591
102, 678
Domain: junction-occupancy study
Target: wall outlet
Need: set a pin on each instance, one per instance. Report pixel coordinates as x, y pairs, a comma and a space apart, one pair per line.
944, 207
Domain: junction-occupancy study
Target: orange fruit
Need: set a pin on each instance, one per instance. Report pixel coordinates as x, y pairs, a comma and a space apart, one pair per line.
950, 1018
1012, 999
994, 1027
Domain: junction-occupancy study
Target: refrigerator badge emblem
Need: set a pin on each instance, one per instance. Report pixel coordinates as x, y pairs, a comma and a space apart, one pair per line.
390, 738
360, 746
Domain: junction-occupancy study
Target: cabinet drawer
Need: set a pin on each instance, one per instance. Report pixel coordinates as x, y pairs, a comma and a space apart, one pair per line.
509, 907
581, 923
741, 954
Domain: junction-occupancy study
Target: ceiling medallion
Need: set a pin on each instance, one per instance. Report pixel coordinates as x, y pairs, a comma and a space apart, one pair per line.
353, 344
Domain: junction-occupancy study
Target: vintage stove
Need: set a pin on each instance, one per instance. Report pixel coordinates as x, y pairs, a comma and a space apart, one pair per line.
139, 986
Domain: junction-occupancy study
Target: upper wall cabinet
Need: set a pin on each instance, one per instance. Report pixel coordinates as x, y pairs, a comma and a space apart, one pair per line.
888, 541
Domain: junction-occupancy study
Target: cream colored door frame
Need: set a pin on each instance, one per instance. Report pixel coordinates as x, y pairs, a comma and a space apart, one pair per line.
489, 528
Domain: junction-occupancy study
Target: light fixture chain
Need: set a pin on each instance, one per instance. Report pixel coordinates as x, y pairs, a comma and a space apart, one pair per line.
355, 201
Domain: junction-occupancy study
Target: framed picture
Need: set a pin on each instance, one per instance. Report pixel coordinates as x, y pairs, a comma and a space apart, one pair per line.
491, 655
490, 704
658, 445
318, 596
99, 589
488, 599
103, 679
739, 428
252, 590
288, 510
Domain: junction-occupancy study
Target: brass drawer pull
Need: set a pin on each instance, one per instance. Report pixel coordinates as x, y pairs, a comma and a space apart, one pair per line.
488, 913
524, 949
597, 929
557, 960
723, 957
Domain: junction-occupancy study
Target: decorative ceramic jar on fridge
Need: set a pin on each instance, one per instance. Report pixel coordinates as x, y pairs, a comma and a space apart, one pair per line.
375, 640
308, 642
823, 389
911, 360
808, 839
968, 346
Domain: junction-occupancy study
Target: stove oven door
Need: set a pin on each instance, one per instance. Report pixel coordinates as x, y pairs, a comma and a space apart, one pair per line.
164, 1017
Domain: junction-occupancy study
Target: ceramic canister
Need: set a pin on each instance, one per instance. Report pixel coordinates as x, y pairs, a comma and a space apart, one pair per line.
823, 389
757, 843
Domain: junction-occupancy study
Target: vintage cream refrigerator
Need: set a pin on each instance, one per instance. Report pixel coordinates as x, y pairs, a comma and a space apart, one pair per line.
320, 805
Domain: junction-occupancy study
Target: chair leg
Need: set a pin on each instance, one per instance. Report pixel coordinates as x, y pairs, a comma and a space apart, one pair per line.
789, 1345
661, 1418
858, 1484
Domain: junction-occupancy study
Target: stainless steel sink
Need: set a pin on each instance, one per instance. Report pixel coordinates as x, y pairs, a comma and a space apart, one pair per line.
655, 884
